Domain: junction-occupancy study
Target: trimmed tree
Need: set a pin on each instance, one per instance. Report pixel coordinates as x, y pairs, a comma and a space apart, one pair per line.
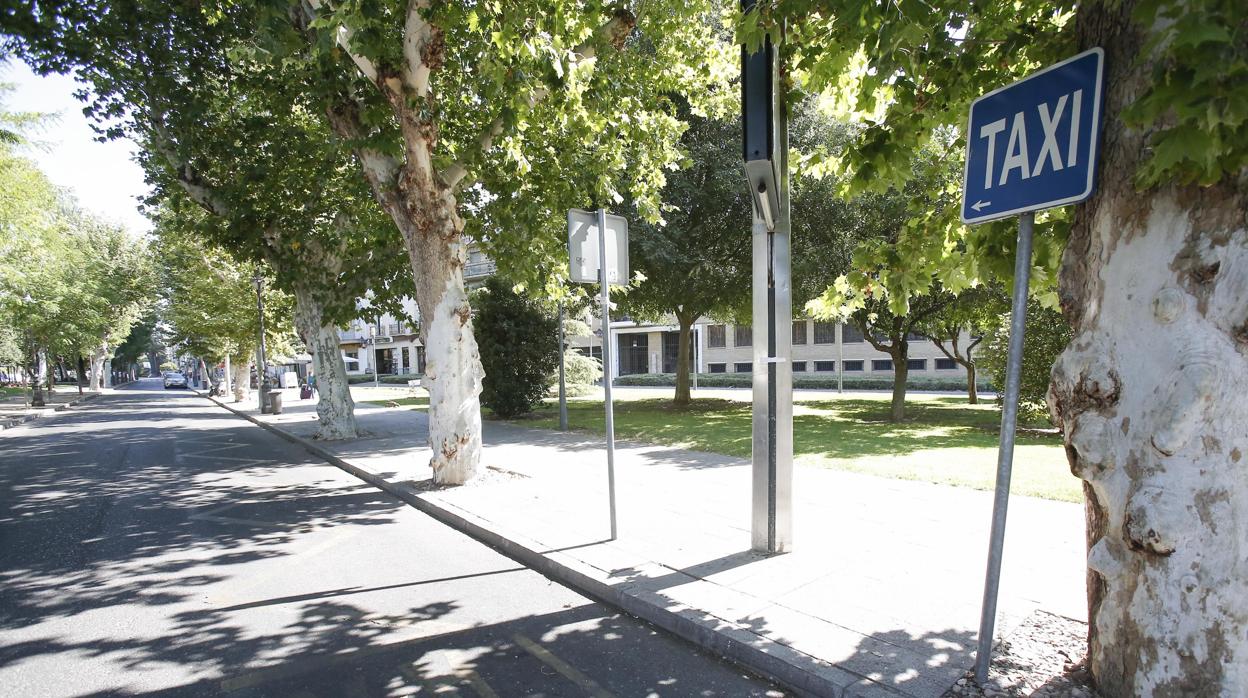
975, 312
697, 261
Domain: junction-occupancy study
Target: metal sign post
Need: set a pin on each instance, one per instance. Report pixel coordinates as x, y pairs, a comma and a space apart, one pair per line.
765, 150
563, 388
609, 235
1031, 145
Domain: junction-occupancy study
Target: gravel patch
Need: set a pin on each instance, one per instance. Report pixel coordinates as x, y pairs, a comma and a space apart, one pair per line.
1043, 658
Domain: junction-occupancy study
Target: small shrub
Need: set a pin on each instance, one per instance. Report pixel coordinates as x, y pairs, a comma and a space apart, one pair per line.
1046, 335
168, 366
519, 348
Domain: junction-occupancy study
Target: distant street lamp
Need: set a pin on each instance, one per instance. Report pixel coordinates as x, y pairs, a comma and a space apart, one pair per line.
262, 370
36, 396
373, 332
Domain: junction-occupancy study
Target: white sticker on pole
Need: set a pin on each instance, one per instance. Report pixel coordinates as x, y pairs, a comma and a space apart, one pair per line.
583, 247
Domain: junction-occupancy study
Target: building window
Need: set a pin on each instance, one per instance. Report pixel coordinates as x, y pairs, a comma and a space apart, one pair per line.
851, 366
799, 366
353, 355
717, 368
825, 365
799, 332
915, 336
916, 364
946, 364
715, 336
850, 334
743, 367
881, 364
825, 333
743, 335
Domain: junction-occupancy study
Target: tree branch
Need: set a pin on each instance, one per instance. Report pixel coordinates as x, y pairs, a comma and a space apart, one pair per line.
196, 188
614, 31
422, 48
343, 37
380, 170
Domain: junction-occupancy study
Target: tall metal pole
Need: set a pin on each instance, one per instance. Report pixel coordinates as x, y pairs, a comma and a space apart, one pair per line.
1005, 457
262, 367
376, 364
228, 377
772, 491
563, 387
840, 357
606, 361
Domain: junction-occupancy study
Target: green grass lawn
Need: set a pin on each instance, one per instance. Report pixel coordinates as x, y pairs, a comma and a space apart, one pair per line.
418, 402
10, 392
943, 439
384, 395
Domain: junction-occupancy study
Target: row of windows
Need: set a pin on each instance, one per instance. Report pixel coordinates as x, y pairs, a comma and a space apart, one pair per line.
743, 335
850, 366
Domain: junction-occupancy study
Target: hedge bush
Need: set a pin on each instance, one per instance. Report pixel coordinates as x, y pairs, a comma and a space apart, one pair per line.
517, 340
744, 380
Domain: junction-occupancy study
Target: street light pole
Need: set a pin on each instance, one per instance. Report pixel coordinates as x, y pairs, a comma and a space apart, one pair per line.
262, 370
376, 367
36, 394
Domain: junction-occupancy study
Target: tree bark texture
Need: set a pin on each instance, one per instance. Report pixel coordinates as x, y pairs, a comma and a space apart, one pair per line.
901, 371
972, 393
685, 322
426, 212
335, 410
1152, 397
99, 360
241, 377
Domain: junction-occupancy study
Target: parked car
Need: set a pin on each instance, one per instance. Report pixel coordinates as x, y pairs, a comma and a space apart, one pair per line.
173, 379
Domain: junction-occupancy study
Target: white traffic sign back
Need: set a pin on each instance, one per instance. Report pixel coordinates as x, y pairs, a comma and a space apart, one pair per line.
1033, 144
583, 247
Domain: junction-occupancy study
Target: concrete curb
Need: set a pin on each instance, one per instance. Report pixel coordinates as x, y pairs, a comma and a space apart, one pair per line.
10, 422
795, 670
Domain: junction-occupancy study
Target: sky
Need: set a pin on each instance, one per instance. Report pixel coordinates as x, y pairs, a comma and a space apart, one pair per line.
103, 176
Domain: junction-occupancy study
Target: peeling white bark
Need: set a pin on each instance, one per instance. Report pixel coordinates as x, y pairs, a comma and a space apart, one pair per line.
335, 410
1152, 395
453, 376
241, 379
99, 361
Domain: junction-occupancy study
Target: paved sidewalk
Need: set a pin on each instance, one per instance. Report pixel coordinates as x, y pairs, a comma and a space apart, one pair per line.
881, 596
14, 409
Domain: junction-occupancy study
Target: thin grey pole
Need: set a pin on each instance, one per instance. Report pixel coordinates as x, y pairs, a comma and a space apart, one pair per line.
262, 370
697, 355
563, 388
840, 357
1005, 457
229, 389
606, 361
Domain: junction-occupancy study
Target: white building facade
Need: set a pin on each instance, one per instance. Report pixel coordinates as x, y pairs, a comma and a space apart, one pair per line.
388, 345
819, 349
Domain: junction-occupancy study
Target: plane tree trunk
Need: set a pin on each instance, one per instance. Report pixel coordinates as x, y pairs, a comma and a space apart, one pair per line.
683, 347
425, 210
901, 372
335, 410
1152, 397
240, 367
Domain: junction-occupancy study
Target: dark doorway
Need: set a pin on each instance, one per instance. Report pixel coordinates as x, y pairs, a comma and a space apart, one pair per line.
671, 349
385, 360
633, 349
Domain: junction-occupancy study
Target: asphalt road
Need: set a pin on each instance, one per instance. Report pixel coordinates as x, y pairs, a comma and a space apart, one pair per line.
153, 544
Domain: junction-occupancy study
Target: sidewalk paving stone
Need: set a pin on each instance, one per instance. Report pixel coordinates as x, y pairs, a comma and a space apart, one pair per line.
881, 595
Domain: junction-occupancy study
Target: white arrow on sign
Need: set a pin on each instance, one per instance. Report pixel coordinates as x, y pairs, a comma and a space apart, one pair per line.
979, 205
